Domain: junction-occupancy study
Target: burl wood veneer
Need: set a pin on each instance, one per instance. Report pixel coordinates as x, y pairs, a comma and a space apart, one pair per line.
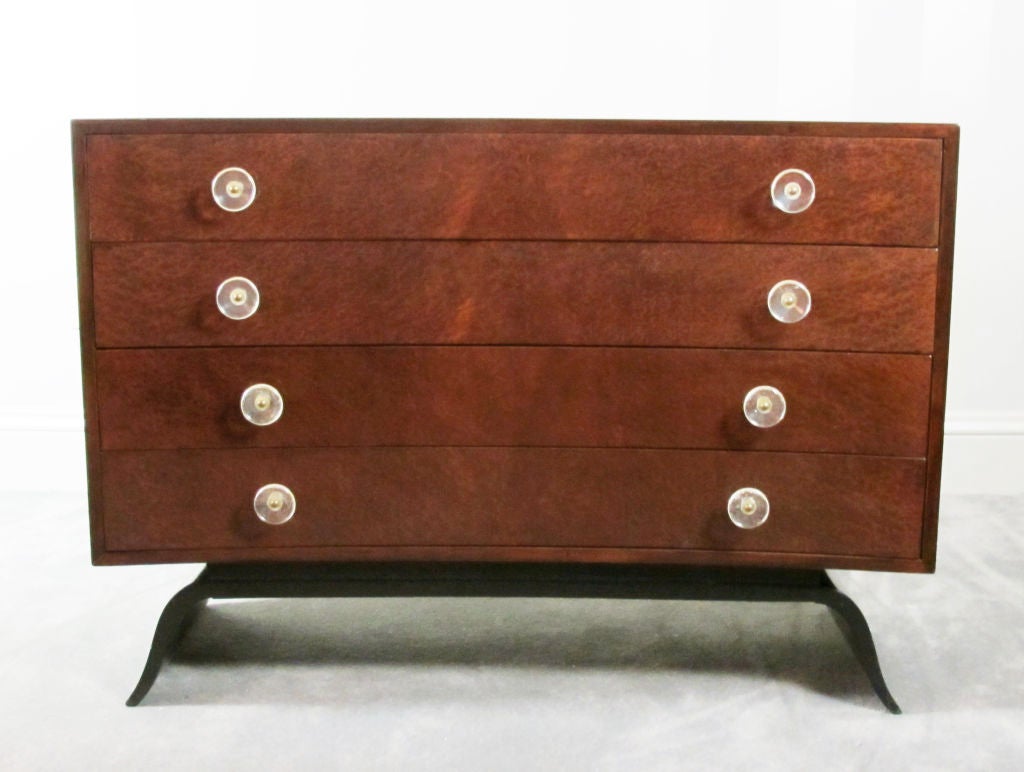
522, 341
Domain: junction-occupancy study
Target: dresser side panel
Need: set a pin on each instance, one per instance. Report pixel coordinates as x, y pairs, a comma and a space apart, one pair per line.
940, 359
87, 337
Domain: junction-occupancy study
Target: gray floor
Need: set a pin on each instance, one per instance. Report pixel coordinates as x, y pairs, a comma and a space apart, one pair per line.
509, 684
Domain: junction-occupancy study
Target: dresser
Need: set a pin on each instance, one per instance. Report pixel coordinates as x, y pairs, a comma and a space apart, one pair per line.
572, 345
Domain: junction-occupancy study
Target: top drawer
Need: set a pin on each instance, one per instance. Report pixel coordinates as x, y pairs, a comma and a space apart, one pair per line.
517, 185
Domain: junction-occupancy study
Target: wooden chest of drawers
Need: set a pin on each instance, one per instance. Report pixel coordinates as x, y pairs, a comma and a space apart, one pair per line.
519, 341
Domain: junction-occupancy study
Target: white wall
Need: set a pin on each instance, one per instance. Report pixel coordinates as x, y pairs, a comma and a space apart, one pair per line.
878, 60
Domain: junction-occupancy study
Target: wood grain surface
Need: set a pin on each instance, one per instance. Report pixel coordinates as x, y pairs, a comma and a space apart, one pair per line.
561, 293
528, 186
234, 126
940, 362
547, 259
529, 396
87, 339
194, 501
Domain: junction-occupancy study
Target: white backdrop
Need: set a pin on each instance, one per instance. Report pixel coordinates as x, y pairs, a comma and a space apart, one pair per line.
877, 60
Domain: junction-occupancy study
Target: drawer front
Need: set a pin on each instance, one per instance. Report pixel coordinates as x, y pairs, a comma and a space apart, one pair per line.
703, 295
514, 396
529, 497
650, 187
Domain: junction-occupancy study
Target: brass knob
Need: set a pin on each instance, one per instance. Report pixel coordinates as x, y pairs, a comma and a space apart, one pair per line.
789, 301
274, 504
748, 508
233, 189
237, 298
262, 404
792, 191
764, 406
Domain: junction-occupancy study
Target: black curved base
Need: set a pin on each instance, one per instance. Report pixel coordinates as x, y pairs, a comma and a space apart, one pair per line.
353, 580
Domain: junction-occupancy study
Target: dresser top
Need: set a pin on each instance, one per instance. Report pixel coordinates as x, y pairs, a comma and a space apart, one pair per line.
507, 126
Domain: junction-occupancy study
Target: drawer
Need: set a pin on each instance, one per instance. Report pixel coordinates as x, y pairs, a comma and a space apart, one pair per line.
513, 396
514, 185
466, 499
514, 292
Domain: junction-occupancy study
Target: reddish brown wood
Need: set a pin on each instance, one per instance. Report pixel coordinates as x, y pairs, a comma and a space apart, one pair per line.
194, 501
530, 396
708, 295
539, 183
386, 185
87, 341
398, 552
505, 126
943, 298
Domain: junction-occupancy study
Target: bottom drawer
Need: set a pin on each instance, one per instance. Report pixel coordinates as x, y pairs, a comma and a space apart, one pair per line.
510, 504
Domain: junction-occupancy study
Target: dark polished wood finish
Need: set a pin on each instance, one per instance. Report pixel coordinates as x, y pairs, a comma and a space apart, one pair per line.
513, 292
508, 126
465, 284
505, 395
940, 361
515, 497
387, 185
510, 580
87, 340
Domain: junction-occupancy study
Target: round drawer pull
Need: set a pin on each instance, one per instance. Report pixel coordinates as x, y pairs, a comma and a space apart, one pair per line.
237, 298
274, 504
748, 508
233, 189
764, 406
789, 301
262, 404
792, 191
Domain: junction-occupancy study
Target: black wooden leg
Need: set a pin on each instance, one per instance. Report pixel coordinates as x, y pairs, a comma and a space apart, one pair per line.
175, 621
509, 581
854, 627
